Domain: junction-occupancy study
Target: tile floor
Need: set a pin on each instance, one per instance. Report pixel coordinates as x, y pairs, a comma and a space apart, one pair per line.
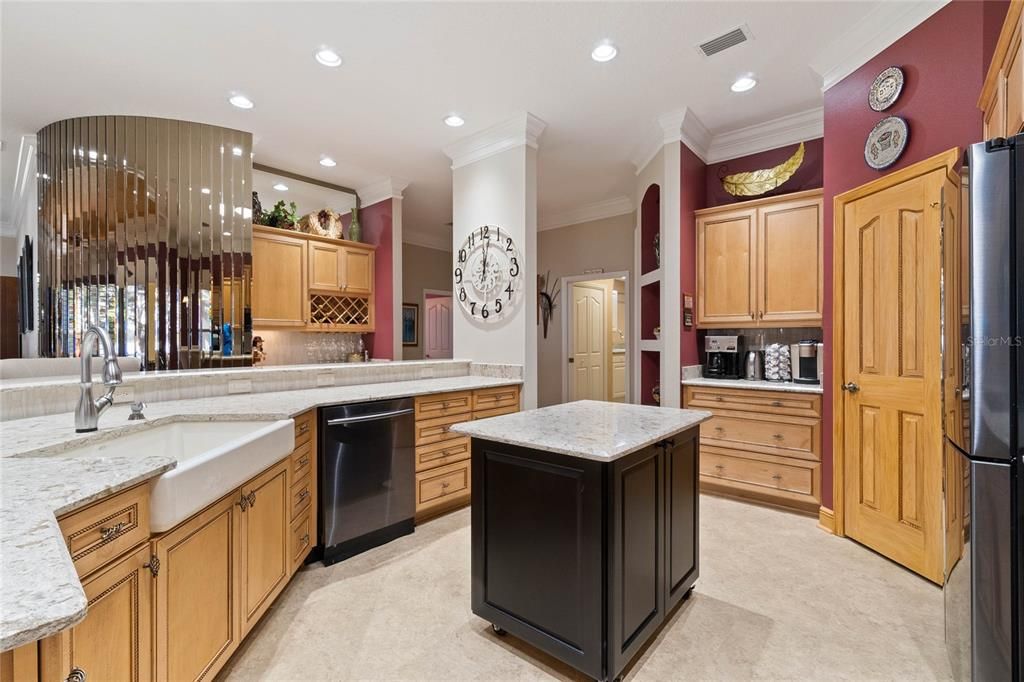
777, 599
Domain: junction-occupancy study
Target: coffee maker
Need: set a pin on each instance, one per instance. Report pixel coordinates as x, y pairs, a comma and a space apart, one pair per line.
723, 357
807, 359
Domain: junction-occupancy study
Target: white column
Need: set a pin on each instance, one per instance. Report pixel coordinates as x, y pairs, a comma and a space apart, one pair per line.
494, 182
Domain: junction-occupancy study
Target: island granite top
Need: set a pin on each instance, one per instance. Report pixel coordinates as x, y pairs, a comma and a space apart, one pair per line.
589, 429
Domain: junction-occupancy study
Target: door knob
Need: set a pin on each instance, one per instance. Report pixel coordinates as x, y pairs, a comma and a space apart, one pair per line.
851, 387
571, 360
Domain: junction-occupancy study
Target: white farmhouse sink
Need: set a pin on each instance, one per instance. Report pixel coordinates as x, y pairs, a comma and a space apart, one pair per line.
213, 458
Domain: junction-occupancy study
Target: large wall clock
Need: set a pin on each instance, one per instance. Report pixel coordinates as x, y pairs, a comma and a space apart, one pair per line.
488, 273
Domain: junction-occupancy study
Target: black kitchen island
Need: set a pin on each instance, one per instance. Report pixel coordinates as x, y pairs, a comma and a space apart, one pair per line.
585, 526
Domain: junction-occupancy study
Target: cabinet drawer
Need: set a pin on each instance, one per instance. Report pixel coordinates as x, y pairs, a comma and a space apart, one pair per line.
500, 396
301, 462
441, 485
105, 529
301, 539
444, 404
438, 429
753, 400
439, 454
304, 427
787, 437
775, 475
301, 496
495, 412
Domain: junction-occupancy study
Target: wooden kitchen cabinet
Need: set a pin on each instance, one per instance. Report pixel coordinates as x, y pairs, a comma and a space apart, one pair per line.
340, 268
1002, 94
761, 263
443, 477
265, 542
279, 288
114, 641
309, 282
760, 445
198, 620
20, 664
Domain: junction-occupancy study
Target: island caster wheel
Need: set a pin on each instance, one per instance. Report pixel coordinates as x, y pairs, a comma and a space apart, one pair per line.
500, 632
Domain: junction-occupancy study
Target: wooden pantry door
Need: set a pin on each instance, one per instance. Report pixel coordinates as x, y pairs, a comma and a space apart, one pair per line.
888, 320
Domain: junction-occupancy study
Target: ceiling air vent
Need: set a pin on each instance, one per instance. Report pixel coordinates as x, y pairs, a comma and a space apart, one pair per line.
734, 37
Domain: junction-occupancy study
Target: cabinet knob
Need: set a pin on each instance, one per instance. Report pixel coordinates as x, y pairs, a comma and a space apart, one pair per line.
304, 494
305, 539
76, 675
251, 498
777, 436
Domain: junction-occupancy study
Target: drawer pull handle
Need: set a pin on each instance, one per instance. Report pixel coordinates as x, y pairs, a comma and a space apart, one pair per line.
304, 494
446, 427
251, 498
444, 405
719, 429
303, 428
719, 398
776, 403
243, 502
719, 468
304, 461
107, 534
777, 477
305, 539
76, 675
778, 436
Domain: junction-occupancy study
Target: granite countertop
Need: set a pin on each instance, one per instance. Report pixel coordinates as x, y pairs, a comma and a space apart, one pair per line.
787, 386
40, 593
589, 429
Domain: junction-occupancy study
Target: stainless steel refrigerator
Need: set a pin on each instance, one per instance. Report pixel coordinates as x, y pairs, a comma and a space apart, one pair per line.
983, 325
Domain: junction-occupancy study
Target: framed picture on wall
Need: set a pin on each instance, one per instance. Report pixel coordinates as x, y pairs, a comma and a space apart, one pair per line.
410, 324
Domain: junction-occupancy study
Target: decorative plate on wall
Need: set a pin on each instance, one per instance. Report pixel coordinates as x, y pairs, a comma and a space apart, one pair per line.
886, 142
886, 89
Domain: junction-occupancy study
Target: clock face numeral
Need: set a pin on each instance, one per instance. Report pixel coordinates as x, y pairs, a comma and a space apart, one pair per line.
487, 272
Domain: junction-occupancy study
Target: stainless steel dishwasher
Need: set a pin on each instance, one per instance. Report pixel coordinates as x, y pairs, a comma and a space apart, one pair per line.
367, 476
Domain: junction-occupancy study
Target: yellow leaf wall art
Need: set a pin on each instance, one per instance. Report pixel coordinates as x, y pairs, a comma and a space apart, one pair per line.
755, 183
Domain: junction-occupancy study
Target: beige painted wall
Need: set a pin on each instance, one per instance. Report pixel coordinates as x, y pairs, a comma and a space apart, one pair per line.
568, 251
423, 268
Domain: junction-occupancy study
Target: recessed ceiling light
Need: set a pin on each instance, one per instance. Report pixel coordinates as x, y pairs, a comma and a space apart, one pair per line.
237, 151
743, 83
328, 162
226, 234
281, 187
604, 52
327, 56
241, 101
454, 120
205, 190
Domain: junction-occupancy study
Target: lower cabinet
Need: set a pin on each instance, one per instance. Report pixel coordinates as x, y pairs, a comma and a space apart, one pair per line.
219, 572
581, 558
265, 540
114, 641
198, 623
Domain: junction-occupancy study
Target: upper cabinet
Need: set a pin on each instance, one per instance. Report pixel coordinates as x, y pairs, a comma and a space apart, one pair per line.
1002, 95
760, 263
310, 282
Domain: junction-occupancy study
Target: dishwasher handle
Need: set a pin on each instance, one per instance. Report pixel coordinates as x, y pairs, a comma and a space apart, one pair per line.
368, 417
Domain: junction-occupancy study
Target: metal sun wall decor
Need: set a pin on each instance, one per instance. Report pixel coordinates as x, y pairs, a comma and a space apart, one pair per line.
758, 182
547, 299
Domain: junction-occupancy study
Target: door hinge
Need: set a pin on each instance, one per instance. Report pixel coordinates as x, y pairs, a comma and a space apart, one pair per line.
153, 565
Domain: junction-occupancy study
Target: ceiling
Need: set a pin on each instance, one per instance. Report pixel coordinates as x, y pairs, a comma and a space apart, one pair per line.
408, 65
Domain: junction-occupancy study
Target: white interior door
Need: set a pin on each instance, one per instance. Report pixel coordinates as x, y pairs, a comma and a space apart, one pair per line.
587, 343
438, 327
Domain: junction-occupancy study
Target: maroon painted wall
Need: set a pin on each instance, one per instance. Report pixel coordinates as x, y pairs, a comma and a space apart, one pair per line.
691, 197
808, 176
944, 60
376, 222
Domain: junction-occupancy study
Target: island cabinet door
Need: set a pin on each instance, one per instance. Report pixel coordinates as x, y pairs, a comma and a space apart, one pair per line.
537, 557
682, 504
636, 543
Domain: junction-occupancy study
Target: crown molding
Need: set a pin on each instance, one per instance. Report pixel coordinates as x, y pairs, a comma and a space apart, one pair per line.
598, 210
438, 242
683, 126
388, 188
886, 23
779, 132
522, 129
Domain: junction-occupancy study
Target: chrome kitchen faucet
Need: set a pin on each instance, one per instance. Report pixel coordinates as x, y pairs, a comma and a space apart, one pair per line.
88, 412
